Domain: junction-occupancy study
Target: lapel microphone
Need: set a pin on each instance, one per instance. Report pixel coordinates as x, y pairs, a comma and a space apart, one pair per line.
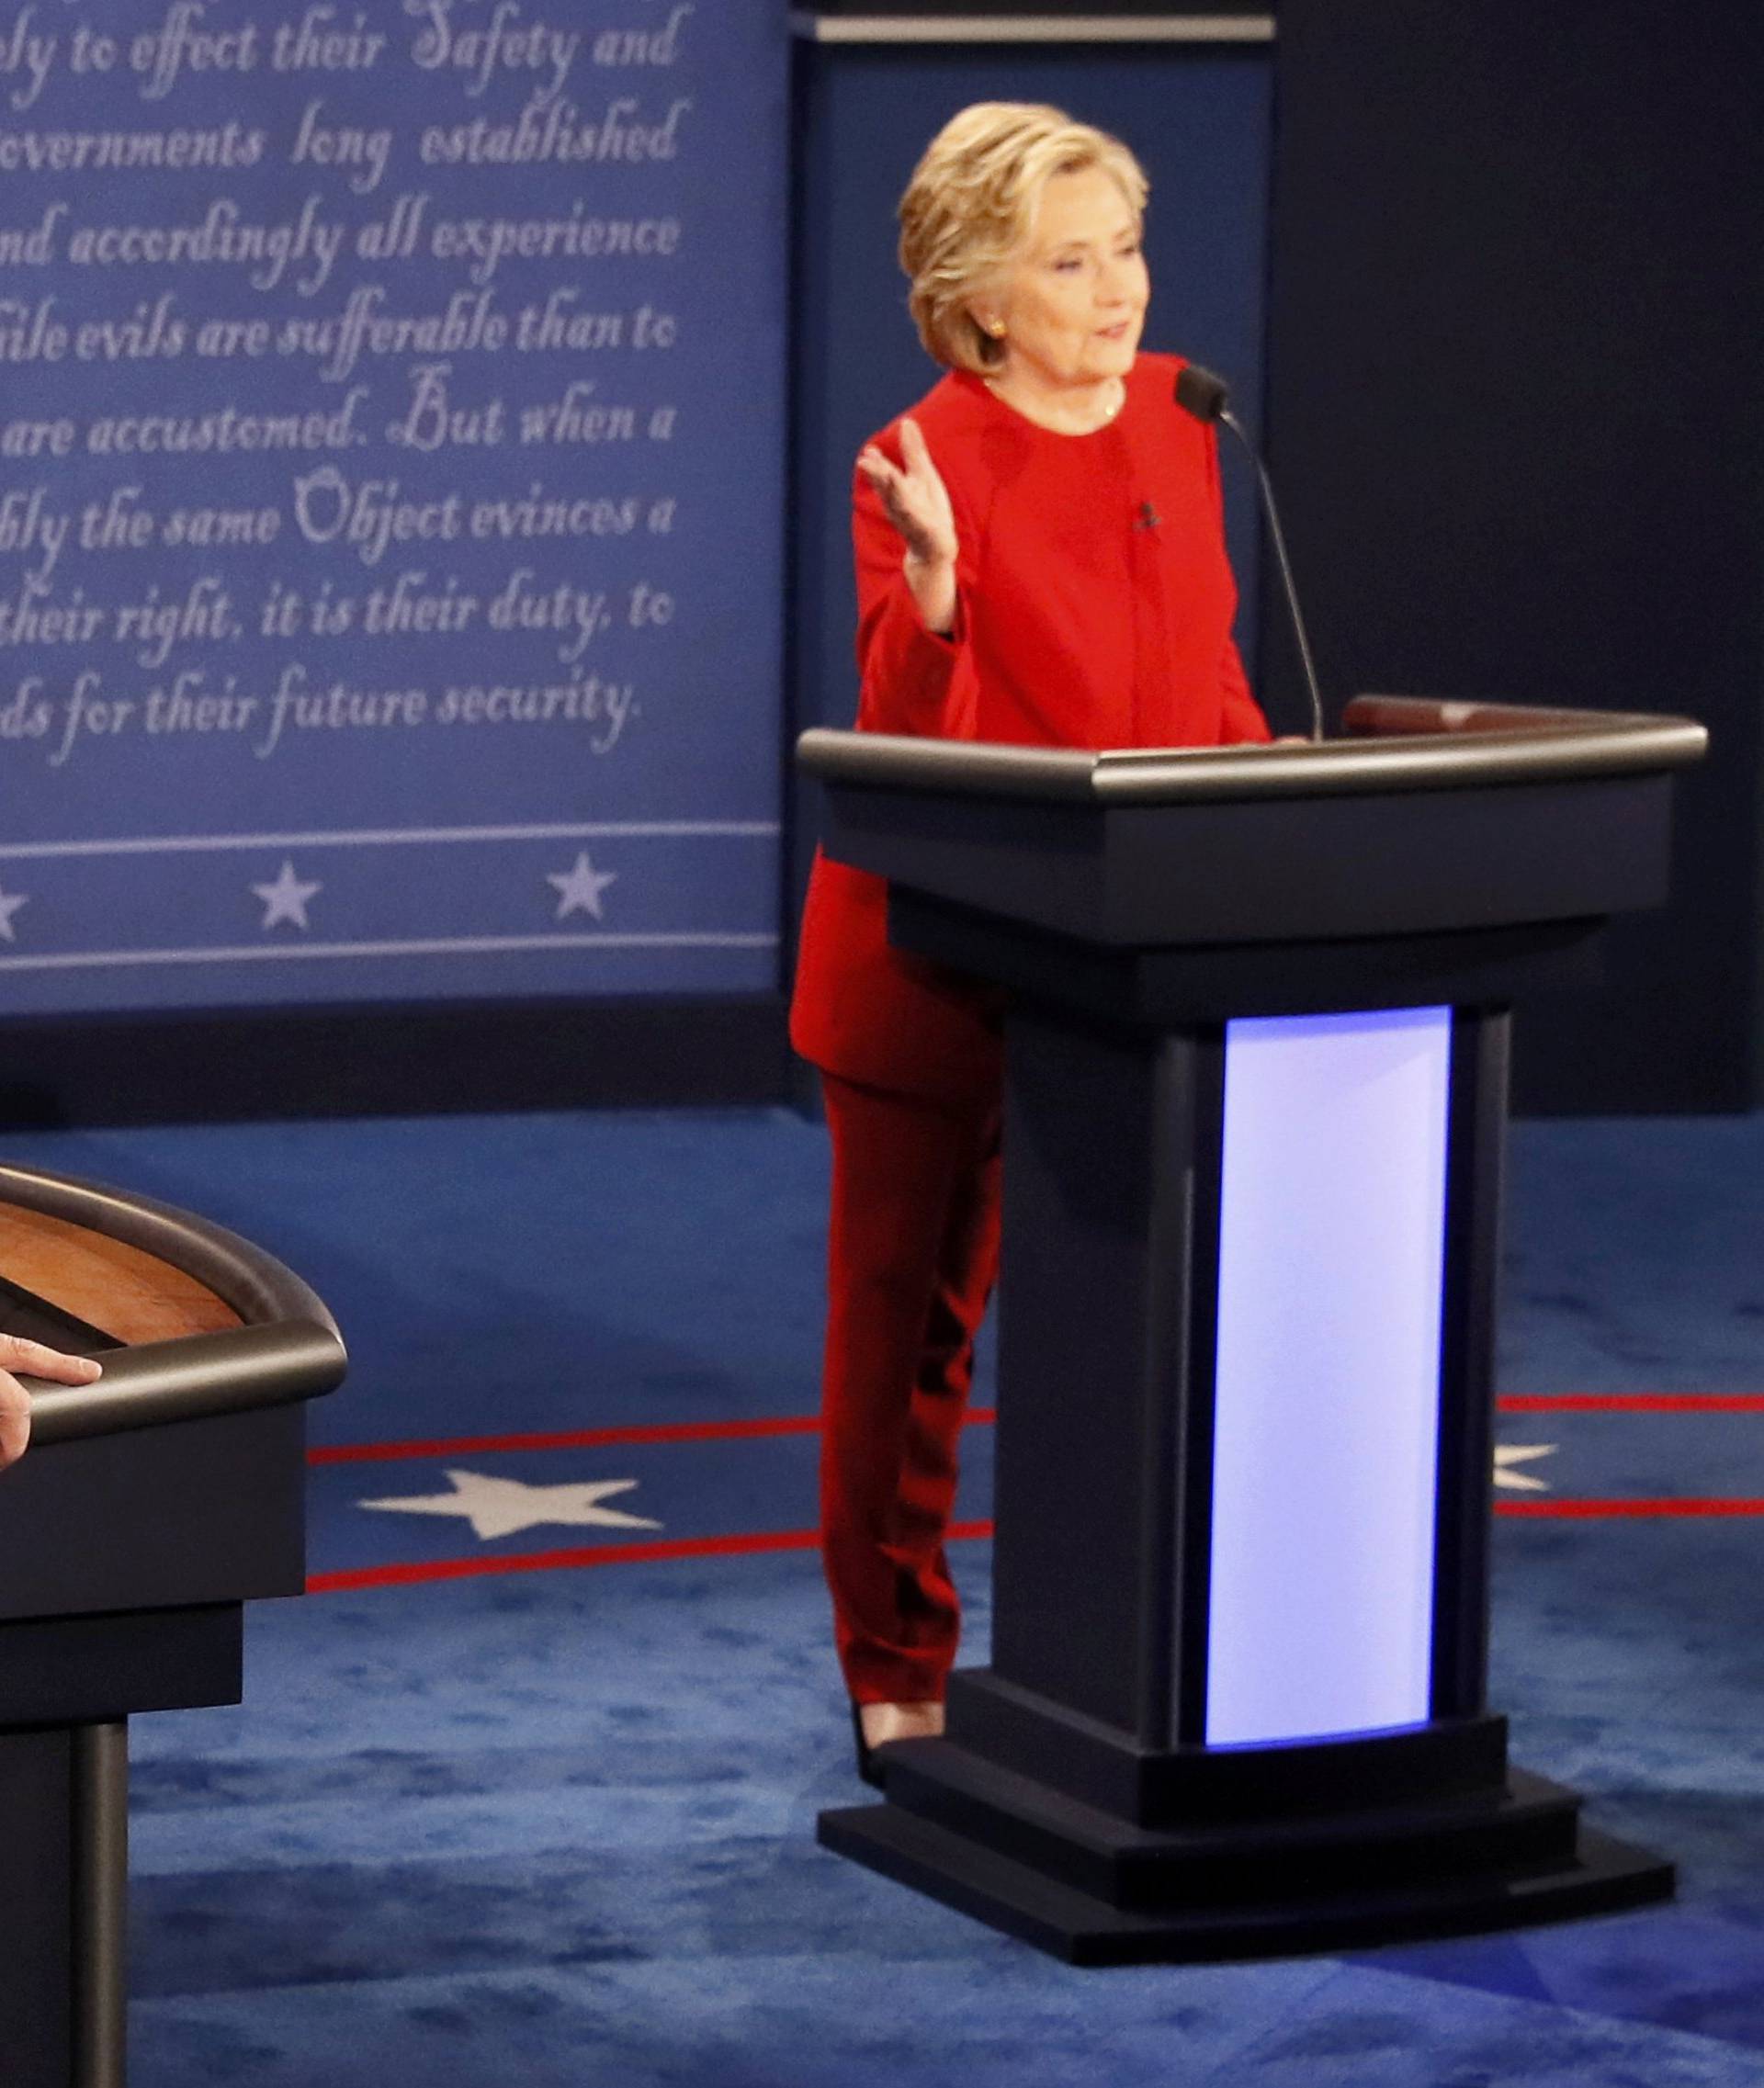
1208, 397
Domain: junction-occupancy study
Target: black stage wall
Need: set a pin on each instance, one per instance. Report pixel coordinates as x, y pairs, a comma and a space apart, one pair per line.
1513, 338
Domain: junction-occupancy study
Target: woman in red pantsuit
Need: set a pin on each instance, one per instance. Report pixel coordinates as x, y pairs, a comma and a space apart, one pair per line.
1040, 559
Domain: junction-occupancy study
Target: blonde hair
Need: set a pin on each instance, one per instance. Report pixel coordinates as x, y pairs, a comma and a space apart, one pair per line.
970, 204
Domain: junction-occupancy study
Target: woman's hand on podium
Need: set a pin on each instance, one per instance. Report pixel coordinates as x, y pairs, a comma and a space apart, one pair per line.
36, 1361
917, 502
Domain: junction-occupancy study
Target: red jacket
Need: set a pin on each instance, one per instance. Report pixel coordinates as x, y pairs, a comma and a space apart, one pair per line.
1095, 610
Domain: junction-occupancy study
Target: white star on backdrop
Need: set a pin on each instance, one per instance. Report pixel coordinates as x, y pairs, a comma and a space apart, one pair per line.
286, 898
578, 889
498, 1508
1507, 1455
9, 904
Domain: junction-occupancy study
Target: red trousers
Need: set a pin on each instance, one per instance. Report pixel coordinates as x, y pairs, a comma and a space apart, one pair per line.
914, 1251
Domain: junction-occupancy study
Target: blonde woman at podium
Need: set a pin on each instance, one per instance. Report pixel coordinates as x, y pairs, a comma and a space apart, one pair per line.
1041, 560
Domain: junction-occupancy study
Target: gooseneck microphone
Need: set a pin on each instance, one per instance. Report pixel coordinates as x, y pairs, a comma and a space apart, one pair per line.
1208, 397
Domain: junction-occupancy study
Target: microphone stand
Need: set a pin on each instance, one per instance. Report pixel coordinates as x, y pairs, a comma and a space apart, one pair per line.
1206, 396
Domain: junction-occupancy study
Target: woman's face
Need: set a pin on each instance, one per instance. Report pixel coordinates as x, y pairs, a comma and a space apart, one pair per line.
1073, 300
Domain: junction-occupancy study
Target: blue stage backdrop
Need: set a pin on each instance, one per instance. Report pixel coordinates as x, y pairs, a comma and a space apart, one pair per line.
390, 467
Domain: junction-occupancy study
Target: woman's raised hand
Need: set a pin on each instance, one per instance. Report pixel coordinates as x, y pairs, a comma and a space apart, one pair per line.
916, 502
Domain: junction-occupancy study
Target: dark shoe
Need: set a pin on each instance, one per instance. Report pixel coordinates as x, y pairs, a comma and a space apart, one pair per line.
866, 1762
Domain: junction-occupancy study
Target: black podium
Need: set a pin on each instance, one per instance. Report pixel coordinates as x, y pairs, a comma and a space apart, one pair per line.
1256, 1087
150, 1508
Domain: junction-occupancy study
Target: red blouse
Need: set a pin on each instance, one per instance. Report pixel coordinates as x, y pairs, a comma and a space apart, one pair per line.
1095, 604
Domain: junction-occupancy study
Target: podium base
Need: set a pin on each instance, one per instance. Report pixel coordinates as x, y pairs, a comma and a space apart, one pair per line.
1088, 1888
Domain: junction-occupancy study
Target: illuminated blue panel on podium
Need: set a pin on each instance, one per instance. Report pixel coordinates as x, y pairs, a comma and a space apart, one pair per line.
1331, 1247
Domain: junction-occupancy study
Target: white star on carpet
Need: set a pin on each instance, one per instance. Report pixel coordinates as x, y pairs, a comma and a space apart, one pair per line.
578, 889
1507, 1455
286, 898
9, 904
498, 1508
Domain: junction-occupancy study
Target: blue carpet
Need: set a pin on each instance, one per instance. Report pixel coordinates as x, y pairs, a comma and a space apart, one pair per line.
521, 1828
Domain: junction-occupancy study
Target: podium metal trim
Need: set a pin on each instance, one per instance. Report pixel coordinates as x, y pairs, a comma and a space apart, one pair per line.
1394, 744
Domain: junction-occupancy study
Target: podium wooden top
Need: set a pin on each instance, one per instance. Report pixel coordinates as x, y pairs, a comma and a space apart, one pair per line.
1391, 744
214, 1326
125, 1291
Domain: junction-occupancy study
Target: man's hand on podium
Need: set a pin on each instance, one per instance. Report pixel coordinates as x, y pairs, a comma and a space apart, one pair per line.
36, 1361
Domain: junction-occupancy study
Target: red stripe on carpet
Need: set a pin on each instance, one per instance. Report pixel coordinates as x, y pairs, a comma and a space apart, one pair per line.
1632, 1402
585, 1439
561, 1439
588, 1555
1586, 1510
